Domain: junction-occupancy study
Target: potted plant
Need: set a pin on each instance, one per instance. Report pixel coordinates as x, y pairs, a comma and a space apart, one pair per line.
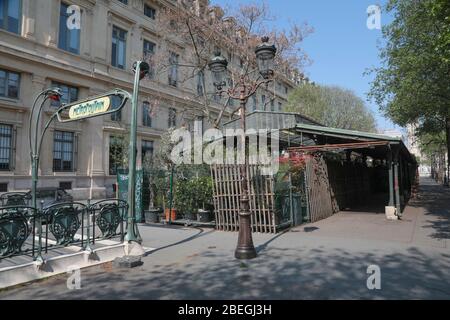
170, 212
204, 215
152, 215
185, 198
193, 192
163, 170
173, 214
154, 178
203, 198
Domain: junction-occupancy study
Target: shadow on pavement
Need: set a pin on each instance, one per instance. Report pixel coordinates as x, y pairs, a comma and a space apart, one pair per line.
276, 274
300, 272
199, 234
436, 200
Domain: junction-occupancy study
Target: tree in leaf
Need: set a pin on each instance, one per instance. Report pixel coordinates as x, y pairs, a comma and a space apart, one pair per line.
332, 106
413, 84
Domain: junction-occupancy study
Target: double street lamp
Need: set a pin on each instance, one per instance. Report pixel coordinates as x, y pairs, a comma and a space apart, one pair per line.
242, 91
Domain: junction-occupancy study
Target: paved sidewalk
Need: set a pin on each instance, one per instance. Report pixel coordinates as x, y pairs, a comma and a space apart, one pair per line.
325, 260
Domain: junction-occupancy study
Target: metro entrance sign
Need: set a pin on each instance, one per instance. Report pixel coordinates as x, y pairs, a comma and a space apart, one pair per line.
90, 108
101, 105
94, 106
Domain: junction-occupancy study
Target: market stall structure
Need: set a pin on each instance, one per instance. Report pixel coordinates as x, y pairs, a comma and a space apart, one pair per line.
322, 171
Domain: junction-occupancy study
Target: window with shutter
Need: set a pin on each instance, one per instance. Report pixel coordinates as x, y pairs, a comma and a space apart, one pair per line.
173, 70
146, 114
200, 81
172, 118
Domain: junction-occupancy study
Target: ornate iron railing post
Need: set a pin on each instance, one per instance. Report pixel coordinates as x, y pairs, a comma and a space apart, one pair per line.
88, 233
172, 169
39, 213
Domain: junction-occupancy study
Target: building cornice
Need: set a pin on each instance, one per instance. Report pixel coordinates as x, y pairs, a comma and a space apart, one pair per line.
113, 15
12, 105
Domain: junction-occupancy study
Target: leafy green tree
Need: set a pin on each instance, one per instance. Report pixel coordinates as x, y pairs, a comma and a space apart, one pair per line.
332, 106
155, 182
413, 86
433, 145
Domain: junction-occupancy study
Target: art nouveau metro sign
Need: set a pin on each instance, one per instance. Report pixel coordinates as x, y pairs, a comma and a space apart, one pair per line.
90, 108
93, 107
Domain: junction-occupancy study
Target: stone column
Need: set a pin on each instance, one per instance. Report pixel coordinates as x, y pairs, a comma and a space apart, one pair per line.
29, 19
93, 153
87, 20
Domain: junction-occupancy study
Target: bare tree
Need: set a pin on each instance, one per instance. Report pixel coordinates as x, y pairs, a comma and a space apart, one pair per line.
199, 31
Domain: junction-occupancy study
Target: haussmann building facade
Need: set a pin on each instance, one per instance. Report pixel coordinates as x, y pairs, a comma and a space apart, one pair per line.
39, 51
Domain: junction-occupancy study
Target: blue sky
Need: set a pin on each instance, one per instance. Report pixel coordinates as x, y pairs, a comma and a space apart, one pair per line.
341, 47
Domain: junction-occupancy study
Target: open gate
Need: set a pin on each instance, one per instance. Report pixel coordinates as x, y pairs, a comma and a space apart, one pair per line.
321, 201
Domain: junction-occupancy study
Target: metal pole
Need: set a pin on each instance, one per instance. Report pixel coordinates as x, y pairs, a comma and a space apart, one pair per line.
88, 230
34, 169
132, 230
245, 248
171, 195
33, 158
34, 155
291, 200
391, 179
396, 184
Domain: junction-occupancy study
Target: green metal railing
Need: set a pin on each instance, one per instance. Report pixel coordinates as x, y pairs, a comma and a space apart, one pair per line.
63, 224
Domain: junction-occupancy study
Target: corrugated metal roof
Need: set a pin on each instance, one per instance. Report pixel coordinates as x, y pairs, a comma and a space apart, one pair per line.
346, 133
355, 135
271, 120
296, 124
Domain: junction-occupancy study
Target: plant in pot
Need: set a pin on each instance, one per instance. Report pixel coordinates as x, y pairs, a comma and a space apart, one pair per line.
203, 197
170, 196
185, 190
193, 192
158, 168
157, 185
185, 199
165, 169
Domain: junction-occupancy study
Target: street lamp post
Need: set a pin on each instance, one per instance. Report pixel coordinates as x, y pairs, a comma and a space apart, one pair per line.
245, 88
141, 69
35, 150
